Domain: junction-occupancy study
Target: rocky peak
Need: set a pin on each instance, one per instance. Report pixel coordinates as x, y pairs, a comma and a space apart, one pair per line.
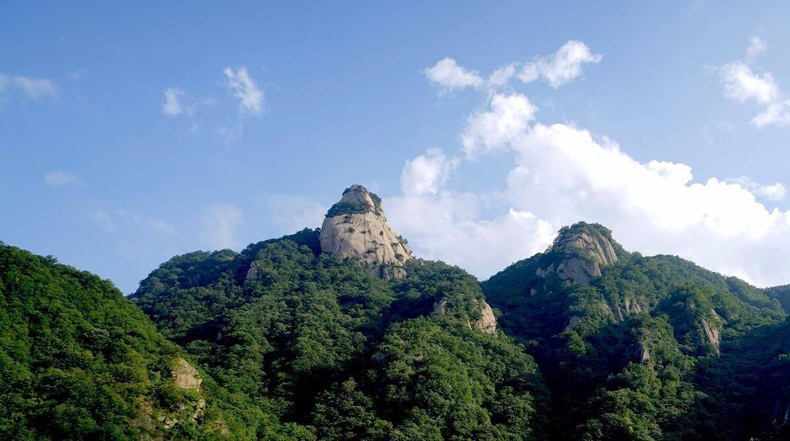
356, 227
585, 249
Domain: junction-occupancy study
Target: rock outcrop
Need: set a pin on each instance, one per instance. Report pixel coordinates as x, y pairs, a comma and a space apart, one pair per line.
586, 249
185, 376
712, 335
487, 321
485, 324
356, 227
573, 322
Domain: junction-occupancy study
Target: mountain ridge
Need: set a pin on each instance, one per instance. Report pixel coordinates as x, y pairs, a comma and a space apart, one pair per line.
326, 334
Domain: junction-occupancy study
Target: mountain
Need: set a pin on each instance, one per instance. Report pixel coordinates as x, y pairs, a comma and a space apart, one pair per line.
629, 344
346, 339
340, 333
80, 361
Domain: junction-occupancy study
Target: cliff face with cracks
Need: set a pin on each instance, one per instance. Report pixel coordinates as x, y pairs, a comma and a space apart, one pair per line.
356, 227
586, 252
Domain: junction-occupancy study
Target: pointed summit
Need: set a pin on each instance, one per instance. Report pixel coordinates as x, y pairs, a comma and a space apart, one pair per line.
585, 248
356, 227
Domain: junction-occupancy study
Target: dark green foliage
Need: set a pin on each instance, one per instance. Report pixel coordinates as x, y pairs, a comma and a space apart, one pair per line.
781, 294
79, 361
347, 355
293, 344
637, 365
341, 208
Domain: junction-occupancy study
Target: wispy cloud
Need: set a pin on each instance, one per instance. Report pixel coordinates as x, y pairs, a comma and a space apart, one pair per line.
172, 105
220, 224
771, 192
102, 220
60, 178
292, 213
129, 221
742, 82
32, 88
244, 88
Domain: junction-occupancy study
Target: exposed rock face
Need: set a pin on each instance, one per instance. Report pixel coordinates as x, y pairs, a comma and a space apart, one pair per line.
632, 307
573, 322
440, 306
586, 249
356, 227
486, 323
185, 376
713, 335
645, 356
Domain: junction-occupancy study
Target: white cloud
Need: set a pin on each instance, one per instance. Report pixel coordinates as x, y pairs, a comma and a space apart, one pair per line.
508, 118
33, 88
246, 90
448, 226
449, 76
770, 192
562, 67
563, 174
755, 49
777, 113
172, 105
502, 76
427, 173
742, 84
220, 225
293, 213
59, 178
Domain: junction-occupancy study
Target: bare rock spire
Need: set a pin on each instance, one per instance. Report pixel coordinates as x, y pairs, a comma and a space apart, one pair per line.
356, 227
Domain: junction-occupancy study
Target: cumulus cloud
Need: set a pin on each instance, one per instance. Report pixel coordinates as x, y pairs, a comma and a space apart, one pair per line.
562, 67
427, 173
562, 174
244, 88
490, 130
557, 69
59, 178
449, 76
743, 83
220, 225
33, 88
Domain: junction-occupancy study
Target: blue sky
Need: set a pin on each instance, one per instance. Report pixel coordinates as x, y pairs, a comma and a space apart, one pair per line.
274, 109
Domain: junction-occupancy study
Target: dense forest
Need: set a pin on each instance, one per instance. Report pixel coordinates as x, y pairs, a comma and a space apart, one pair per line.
284, 341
